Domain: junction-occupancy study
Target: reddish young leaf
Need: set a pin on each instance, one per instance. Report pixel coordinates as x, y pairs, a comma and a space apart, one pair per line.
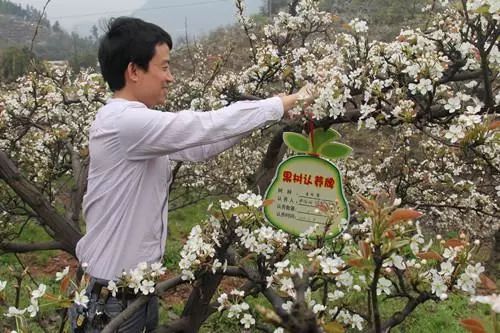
487, 282
51, 297
65, 283
355, 262
267, 202
365, 202
430, 255
403, 214
473, 325
390, 234
454, 243
366, 249
494, 125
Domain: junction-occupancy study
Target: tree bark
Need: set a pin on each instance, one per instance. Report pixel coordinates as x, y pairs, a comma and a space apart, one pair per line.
24, 247
399, 317
64, 232
494, 260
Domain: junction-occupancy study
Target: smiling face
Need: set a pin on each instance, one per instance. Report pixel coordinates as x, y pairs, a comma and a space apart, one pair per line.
151, 86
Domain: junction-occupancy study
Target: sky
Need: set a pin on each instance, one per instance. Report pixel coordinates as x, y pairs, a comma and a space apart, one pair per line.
202, 15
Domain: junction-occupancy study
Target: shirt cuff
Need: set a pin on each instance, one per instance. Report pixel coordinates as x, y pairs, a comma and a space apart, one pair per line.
276, 107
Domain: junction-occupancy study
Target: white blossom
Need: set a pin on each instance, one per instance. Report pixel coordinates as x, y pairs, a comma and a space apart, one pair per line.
247, 320
61, 275
15, 312
37, 293
358, 25
81, 298
384, 286
112, 287
493, 300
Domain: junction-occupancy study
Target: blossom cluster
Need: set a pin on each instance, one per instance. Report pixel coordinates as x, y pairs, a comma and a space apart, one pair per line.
200, 249
141, 279
31, 309
236, 308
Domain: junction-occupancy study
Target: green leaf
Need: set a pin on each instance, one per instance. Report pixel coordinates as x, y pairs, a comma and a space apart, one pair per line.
321, 136
400, 244
334, 150
333, 327
297, 142
483, 10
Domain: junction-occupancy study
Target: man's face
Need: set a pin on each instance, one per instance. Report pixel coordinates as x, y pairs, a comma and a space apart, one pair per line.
153, 83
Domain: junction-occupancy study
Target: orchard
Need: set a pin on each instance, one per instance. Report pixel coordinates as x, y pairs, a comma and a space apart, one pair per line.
423, 186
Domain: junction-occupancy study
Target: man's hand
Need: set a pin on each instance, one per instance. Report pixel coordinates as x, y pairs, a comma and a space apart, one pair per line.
306, 95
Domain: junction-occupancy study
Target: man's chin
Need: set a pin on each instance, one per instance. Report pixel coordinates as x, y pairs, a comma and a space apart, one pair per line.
161, 102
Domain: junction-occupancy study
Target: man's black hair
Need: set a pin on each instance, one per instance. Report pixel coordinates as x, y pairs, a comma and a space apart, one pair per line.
128, 40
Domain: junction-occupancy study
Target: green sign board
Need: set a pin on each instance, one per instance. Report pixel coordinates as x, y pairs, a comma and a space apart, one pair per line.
307, 189
301, 187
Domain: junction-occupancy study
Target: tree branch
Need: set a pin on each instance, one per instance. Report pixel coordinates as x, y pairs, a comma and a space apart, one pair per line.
398, 317
30, 247
161, 287
64, 231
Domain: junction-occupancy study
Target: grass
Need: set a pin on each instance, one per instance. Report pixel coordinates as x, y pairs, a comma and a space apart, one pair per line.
32, 233
180, 223
428, 318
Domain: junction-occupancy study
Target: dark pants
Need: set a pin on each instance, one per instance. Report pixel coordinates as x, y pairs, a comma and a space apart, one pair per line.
99, 313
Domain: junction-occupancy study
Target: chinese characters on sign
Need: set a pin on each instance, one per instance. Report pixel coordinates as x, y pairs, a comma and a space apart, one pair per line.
301, 184
307, 179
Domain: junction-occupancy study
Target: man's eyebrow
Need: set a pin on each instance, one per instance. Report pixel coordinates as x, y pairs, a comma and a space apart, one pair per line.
165, 61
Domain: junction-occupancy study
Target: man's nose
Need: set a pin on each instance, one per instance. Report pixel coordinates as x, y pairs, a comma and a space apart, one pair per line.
170, 77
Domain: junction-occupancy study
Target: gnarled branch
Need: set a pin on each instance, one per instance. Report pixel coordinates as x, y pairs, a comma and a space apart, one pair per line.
64, 231
30, 247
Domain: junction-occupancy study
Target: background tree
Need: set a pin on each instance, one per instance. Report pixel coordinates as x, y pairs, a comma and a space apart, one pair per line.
57, 27
15, 62
271, 7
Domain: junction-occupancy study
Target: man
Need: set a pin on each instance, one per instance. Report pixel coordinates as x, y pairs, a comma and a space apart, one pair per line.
131, 147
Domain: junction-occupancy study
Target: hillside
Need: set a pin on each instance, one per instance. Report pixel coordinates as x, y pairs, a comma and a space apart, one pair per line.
17, 28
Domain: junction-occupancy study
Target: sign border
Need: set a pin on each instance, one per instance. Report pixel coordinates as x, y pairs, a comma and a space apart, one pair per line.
333, 233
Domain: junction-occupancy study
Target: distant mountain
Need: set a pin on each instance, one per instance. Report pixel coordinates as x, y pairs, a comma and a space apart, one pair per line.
17, 24
201, 16
17, 29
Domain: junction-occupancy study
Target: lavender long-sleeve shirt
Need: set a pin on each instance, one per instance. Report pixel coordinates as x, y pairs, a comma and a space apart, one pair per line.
130, 151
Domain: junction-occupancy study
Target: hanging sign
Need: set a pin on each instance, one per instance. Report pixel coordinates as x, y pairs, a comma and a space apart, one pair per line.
307, 189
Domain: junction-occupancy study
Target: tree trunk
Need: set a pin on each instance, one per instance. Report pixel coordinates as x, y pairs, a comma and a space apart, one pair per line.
64, 232
494, 260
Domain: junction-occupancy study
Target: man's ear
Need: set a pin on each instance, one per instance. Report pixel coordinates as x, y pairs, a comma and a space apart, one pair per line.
131, 73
